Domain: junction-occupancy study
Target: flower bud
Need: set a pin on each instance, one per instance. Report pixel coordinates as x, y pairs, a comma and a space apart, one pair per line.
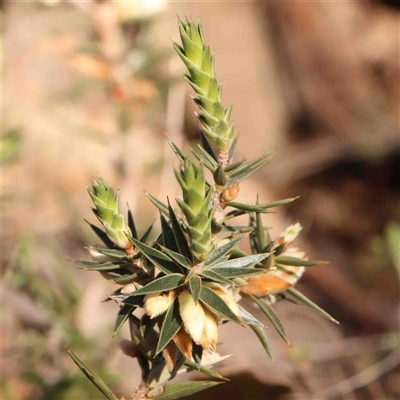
157, 304
192, 315
184, 343
210, 335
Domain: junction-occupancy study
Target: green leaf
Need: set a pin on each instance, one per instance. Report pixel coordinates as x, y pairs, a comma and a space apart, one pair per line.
195, 287
128, 299
161, 260
214, 276
115, 253
126, 278
204, 157
180, 238
305, 300
159, 204
193, 366
146, 235
248, 318
270, 313
122, 316
262, 208
96, 266
167, 234
260, 332
178, 390
231, 273
247, 170
211, 300
162, 284
221, 251
101, 235
177, 151
242, 262
93, 378
177, 257
131, 224
206, 146
232, 148
297, 262
170, 326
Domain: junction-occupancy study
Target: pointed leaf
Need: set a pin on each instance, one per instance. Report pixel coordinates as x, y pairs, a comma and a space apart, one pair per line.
146, 235
221, 251
242, 262
177, 151
102, 235
126, 278
93, 378
161, 260
159, 204
136, 301
262, 208
178, 390
180, 238
195, 287
168, 234
159, 285
211, 300
215, 276
231, 273
170, 326
248, 318
192, 365
301, 297
131, 224
270, 313
122, 316
260, 332
206, 146
297, 262
177, 257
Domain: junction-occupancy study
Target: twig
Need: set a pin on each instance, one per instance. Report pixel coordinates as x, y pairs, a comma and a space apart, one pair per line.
362, 378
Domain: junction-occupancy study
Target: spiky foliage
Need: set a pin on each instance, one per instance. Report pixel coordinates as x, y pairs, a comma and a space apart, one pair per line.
192, 276
200, 62
107, 211
195, 205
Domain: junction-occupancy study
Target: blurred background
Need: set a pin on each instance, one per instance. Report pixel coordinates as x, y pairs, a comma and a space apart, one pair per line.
91, 87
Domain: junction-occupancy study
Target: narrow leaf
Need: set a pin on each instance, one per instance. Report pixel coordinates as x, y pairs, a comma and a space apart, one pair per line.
215, 276
221, 251
270, 313
168, 234
248, 318
195, 287
192, 365
161, 260
305, 300
180, 238
101, 235
178, 390
262, 208
170, 326
177, 151
210, 299
159, 285
231, 273
122, 316
159, 204
206, 146
146, 235
177, 257
126, 278
131, 224
242, 262
260, 332
297, 262
93, 378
